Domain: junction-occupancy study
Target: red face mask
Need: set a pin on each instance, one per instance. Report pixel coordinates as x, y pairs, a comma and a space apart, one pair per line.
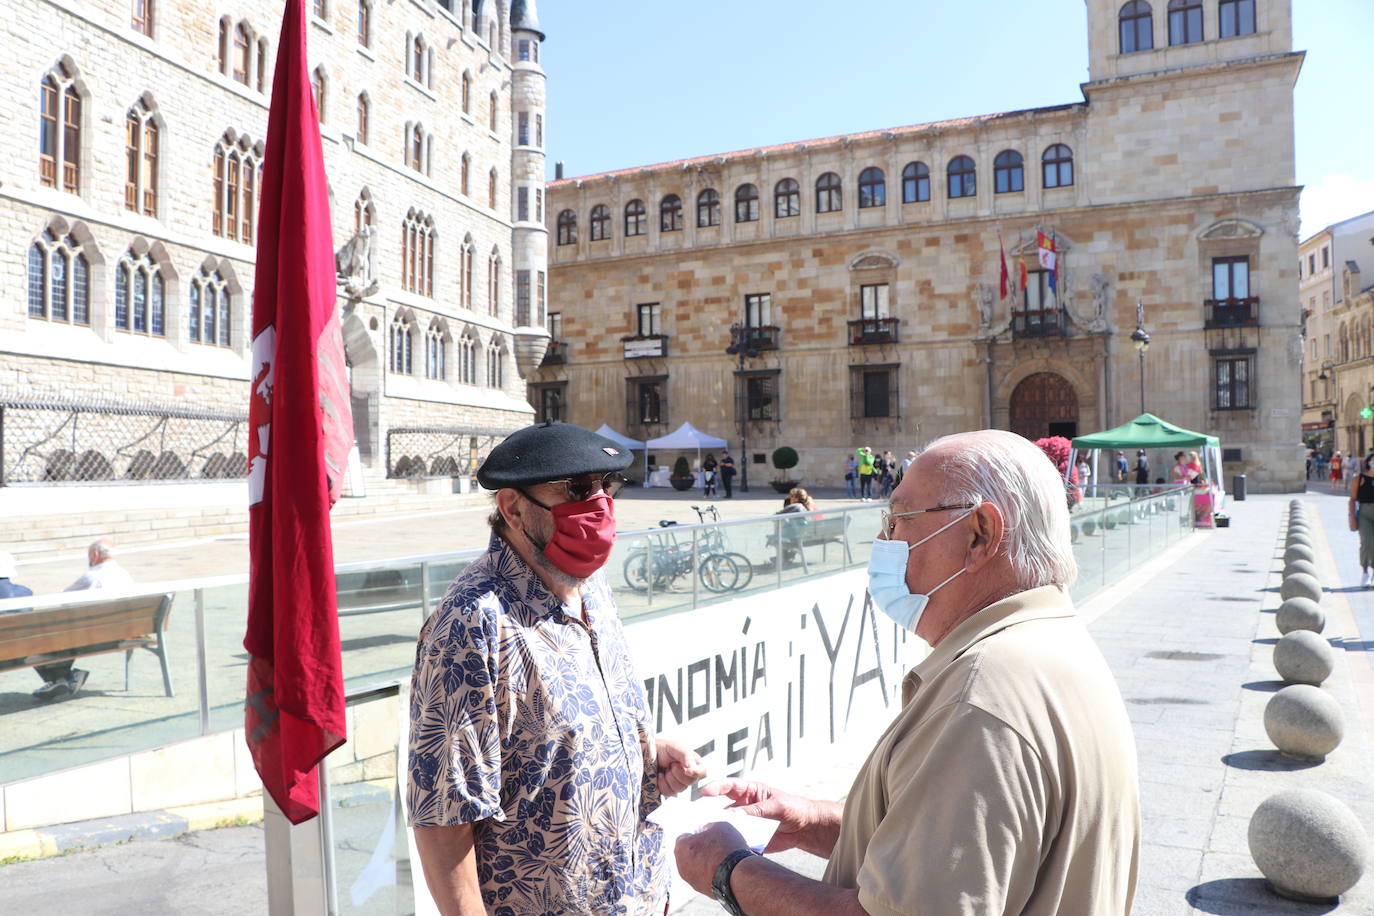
583, 535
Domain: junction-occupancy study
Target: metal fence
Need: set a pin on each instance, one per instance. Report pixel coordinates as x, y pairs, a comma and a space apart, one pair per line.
438, 451
52, 440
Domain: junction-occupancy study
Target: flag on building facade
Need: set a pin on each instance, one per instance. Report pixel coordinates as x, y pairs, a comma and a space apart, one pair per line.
1006, 271
1049, 258
301, 430
1022, 248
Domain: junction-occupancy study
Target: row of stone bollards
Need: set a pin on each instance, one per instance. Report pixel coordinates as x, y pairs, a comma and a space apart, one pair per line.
1309, 844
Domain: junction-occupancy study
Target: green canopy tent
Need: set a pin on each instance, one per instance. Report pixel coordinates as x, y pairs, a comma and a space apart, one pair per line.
1150, 432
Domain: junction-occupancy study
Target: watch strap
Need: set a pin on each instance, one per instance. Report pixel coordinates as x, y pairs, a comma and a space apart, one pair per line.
720, 884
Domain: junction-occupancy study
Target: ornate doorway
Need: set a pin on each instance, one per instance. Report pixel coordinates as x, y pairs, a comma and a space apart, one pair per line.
1044, 404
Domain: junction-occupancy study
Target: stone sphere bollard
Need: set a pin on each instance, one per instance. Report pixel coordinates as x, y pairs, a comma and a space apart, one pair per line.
1299, 613
1073, 533
1299, 538
1299, 552
1089, 526
1303, 657
1306, 567
1308, 844
1304, 722
1301, 585
1109, 520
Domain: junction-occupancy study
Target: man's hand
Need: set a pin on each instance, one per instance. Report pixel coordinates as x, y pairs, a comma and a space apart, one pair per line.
795, 815
700, 854
678, 767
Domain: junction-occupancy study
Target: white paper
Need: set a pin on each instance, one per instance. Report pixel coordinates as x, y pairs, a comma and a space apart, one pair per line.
678, 816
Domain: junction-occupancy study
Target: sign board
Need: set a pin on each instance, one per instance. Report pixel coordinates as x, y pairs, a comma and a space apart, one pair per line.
651, 346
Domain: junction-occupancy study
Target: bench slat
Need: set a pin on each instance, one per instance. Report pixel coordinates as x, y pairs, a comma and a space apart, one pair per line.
54, 630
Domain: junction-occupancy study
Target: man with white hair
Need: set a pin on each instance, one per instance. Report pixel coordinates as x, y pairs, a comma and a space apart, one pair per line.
1007, 782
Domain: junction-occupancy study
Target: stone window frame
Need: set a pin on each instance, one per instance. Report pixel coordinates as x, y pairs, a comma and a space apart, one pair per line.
1008, 172
538, 400
829, 193
1129, 19
466, 353
364, 23
915, 182
142, 137
437, 339
962, 175
401, 343
496, 362
364, 210
418, 237
494, 281
747, 203
364, 110
566, 228
210, 286
237, 172
466, 256
1187, 22
57, 242
61, 129
139, 274
669, 213
599, 222
142, 16
636, 218
1054, 160
872, 188
786, 199
319, 87
708, 208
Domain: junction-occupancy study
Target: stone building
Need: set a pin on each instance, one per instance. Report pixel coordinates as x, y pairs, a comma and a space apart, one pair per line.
1338, 357
858, 277
128, 196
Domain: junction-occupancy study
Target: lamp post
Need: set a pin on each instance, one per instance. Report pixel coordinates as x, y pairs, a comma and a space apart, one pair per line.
1142, 343
742, 348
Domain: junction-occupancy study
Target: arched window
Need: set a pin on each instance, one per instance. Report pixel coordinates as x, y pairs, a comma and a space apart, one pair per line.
417, 254
494, 282
1057, 166
600, 223
1008, 172
466, 257
140, 154
241, 63
318, 83
467, 358
363, 118
635, 220
140, 296
872, 188
464, 169
436, 343
708, 208
141, 17
786, 199
496, 370
567, 228
320, 8
963, 177
59, 287
419, 144
208, 321
492, 180
418, 59
915, 183
402, 349
1136, 27
262, 64
1236, 17
1185, 22
492, 111
829, 197
670, 214
746, 203
236, 178
59, 134
365, 23
466, 93
364, 213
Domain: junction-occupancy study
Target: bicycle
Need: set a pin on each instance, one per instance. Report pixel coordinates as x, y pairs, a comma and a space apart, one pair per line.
720, 570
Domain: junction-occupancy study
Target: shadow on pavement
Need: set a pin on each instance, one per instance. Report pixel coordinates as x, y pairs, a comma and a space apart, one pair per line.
1270, 760
1264, 686
1266, 641
1355, 645
1248, 896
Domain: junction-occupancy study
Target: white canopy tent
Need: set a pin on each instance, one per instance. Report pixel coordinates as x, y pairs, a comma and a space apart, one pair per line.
685, 438
624, 442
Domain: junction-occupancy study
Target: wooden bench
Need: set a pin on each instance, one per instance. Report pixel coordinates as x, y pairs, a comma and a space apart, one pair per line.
71, 629
814, 530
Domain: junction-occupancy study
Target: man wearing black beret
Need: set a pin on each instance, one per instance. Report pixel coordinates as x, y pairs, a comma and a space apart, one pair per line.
532, 763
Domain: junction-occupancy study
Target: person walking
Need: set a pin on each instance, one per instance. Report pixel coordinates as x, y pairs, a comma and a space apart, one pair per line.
1362, 518
851, 471
1337, 472
1142, 467
708, 475
866, 473
727, 473
1121, 468
887, 473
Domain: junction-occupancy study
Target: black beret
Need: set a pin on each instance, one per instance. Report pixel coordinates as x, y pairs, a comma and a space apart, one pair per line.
550, 451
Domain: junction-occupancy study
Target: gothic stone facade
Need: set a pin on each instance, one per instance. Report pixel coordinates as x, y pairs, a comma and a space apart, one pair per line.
865, 275
128, 191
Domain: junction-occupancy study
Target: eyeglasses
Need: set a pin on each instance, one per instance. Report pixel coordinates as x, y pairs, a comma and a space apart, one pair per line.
890, 518
579, 488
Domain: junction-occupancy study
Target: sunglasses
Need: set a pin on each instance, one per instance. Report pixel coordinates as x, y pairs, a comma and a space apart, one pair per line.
579, 488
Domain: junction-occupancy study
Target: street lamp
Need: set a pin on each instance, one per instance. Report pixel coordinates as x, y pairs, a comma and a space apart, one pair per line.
1142, 343
742, 347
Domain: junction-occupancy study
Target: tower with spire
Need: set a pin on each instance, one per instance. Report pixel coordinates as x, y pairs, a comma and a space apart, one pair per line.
529, 242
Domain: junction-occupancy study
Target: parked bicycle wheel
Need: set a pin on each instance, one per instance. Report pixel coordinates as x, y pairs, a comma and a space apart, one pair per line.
719, 572
636, 570
746, 570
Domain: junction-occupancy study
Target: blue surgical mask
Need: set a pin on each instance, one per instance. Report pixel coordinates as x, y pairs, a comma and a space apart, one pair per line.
887, 579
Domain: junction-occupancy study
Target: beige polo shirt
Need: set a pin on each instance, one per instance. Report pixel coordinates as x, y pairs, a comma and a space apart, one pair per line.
1006, 784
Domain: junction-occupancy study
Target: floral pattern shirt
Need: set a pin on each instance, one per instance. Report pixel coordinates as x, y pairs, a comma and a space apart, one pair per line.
532, 726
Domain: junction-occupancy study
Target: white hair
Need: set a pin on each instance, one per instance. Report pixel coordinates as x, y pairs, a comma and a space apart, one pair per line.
1013, 474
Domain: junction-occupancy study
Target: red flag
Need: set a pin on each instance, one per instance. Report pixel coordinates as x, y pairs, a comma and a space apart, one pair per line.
301, 431
1023, 265
1006, 274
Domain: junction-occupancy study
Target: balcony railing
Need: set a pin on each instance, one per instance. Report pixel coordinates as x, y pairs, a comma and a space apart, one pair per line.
1040, 323
645, 346
873, 331
1231, 313
763, 337
556, 354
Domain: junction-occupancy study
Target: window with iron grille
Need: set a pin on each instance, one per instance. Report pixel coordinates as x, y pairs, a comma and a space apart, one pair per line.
873, 392
548, 401
756, 396
647, 400
1232, 375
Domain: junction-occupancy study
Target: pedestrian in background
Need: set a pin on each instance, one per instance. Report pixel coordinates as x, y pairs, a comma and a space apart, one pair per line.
708, 475
62, 679
1337, 471
866, 473
1362, 518
851, 471
727, 473
1142, 467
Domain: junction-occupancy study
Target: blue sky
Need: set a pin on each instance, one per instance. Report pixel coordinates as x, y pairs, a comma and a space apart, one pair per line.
635, 82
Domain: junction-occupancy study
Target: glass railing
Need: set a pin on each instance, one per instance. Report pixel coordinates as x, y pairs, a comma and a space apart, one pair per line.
1118, 527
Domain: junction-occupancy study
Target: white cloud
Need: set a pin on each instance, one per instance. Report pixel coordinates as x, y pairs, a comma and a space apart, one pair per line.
1332, 199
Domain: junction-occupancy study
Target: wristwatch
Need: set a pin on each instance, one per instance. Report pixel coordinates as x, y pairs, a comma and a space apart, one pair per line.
720, 884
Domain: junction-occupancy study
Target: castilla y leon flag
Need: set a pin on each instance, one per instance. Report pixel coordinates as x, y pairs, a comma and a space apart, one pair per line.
1049, 257
301, 433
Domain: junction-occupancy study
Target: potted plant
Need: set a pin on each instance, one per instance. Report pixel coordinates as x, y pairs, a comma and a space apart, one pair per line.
681, 478
785, 459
